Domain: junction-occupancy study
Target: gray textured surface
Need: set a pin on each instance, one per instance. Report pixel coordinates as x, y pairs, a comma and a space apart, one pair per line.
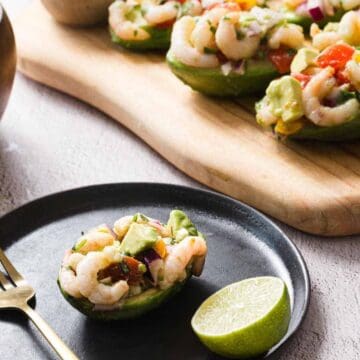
50, 142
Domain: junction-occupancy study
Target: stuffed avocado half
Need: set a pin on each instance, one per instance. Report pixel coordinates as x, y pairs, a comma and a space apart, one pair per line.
233, 53
147, 24
124, 272
320, 100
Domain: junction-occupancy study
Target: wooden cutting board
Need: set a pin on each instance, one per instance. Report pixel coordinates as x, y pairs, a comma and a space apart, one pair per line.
313, 187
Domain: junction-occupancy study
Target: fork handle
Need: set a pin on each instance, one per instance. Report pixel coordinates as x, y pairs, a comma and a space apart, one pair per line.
49, 334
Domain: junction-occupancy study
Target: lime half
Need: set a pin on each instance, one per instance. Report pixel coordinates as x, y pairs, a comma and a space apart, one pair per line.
244, 319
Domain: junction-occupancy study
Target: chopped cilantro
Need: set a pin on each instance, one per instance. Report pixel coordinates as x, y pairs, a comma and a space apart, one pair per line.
209, 50
124, 268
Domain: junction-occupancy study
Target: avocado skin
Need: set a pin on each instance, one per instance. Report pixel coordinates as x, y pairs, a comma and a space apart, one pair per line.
344, 132
133, 307
213, 82
306, 22
159, 40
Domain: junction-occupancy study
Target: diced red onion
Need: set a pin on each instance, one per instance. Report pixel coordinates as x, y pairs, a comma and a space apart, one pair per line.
156, 225
112, 232
254, 29
149, 256
316, 9
302, 10
226, 68
239, 67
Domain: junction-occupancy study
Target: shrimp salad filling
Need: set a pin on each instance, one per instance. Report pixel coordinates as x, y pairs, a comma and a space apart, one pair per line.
323, 91
148, 23
139, 256
317, 10
234, 44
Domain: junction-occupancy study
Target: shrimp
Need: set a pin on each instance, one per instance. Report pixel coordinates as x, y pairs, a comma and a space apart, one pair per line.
89, 285
73, 260
319, 87
158, 14
194, 8
179, 257
69, 282
122, 225
182, 48
350, 4
324, 39
95, 239
67, 276
210, 3
124, 28
328, 8
203, 35
290, 35
353, 72
227, 39
349, 28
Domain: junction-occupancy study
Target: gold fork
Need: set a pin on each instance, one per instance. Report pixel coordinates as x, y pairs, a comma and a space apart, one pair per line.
16, 294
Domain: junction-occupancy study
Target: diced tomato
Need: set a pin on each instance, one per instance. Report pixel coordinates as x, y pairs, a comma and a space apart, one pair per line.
335, 56
181, 1
232, 6
281, 58
135, 272
342, 78
302, 78
166, 24
129, 270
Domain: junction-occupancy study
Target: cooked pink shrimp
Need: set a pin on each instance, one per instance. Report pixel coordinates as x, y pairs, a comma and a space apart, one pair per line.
95, 239
178, 258
87, 278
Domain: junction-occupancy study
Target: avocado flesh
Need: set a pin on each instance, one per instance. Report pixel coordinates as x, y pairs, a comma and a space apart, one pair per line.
344, 132
179, 220
133, 307
303, 59
213, 82
159, 40
138, 238
285, 99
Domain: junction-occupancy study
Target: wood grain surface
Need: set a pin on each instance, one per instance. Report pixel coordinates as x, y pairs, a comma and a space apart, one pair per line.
313, 187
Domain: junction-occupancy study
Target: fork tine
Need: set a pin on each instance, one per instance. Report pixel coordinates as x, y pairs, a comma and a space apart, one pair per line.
13, 274
5, 282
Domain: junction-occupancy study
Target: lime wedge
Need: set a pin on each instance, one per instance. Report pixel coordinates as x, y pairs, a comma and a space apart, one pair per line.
244, 319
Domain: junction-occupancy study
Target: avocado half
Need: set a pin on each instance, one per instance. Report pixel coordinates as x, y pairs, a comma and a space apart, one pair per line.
344, 132
133, 307
257, 76
159, 40
306, 21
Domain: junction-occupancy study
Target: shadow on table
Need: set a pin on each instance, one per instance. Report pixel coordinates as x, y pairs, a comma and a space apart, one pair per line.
173, 338
306, 342
20, 320
164, 333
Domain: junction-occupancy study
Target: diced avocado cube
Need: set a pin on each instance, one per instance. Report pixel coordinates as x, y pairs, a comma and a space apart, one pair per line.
303, 59
180, 225
139, 237
285, 99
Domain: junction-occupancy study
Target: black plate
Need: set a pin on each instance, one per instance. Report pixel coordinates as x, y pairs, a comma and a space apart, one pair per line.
242, 243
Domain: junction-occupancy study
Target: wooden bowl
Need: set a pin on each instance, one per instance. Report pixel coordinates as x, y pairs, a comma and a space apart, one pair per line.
78, 12
7, 59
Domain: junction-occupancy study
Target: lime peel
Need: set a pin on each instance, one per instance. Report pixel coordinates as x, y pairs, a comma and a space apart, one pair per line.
244, 319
